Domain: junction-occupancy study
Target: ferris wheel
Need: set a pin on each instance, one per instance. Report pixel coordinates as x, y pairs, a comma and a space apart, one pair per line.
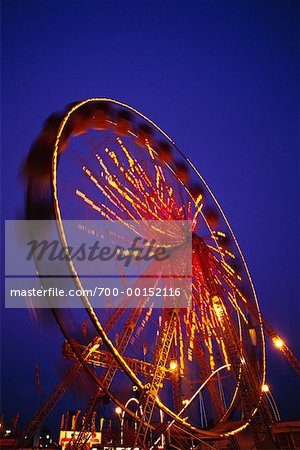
202, 364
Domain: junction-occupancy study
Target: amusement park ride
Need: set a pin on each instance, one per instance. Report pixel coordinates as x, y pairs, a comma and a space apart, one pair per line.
198, 372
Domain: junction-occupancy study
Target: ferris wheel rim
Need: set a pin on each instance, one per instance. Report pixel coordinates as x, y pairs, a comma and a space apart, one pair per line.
61, 232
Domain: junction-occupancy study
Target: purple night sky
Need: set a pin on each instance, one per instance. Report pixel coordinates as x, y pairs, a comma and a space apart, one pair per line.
221, 78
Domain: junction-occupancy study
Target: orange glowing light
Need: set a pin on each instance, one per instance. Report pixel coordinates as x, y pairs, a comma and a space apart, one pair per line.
173, 364
265, 388
118, 410
278, 342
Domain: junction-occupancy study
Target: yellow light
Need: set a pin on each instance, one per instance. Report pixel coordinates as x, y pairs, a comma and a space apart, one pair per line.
278, 342
217, 307
265, 388
173, 364
118, 410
